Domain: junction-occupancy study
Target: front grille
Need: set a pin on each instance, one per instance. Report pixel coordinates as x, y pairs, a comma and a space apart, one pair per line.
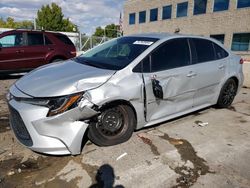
19, 128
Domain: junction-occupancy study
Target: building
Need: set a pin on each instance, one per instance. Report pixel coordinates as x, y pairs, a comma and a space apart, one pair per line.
226, 20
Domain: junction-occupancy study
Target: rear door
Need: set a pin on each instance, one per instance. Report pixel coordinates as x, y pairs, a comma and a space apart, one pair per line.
168, 81
11, 51
209, 66
35, 52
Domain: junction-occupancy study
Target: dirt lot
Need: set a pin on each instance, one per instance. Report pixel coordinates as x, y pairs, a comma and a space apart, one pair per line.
178, 153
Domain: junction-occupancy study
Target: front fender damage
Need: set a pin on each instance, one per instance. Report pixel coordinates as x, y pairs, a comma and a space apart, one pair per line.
68, 127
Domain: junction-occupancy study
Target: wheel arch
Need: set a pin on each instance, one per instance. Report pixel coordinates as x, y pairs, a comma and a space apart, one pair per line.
235, 79
57, 57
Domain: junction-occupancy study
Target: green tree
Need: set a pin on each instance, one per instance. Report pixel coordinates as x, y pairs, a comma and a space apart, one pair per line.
111, 31
99, 32
11, 23
50, 17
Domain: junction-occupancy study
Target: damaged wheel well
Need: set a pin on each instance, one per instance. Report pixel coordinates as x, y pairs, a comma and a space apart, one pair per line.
119, 102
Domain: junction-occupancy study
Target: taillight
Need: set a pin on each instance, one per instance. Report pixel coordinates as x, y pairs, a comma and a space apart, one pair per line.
241, 61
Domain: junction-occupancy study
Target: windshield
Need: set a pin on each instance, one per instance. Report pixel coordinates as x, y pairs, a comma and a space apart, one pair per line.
116, 54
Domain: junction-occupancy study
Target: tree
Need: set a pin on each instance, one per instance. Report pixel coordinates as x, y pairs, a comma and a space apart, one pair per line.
11, 23
50, 17
99, 32
111, 31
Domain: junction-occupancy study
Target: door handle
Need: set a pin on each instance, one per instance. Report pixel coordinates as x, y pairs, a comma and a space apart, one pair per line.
221, 66
19, 51
191, 74
50, 49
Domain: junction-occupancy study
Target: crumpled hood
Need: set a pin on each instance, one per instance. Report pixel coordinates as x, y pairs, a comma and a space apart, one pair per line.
60, 79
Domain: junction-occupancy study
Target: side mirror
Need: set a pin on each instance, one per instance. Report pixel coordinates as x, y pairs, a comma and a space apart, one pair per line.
157, 88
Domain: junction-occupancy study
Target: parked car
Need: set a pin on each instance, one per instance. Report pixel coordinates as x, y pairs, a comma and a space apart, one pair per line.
24, 50
120, 86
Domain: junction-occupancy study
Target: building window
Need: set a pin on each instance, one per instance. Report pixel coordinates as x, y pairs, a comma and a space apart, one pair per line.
131, 18
200, 7
220, 5
219, 37
243, 3
154, 14
166, 12
241, 42
142, 17
182, 9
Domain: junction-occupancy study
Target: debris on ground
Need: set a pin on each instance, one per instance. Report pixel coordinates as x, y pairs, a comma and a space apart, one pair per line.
10, 173
201, 124
121, 156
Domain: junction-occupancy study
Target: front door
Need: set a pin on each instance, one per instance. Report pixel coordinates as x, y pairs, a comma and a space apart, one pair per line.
168, 80
11, 52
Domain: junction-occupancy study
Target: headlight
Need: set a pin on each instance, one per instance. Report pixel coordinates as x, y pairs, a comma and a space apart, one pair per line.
56, 105
59, 105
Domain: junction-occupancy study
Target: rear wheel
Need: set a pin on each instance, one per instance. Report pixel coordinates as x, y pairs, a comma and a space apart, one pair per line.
113, 126
227, 94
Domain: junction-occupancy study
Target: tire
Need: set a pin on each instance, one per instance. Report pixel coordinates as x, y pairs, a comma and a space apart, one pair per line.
227, 94
113, 126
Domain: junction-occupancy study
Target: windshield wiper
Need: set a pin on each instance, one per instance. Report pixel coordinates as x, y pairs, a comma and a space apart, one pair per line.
84, 61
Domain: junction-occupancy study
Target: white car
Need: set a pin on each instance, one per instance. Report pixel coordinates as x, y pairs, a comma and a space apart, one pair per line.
120, 86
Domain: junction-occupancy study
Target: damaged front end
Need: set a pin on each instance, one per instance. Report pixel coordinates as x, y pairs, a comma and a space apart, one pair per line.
52, 126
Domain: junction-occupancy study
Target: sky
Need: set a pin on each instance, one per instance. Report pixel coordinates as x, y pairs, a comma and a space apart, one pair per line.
86, 14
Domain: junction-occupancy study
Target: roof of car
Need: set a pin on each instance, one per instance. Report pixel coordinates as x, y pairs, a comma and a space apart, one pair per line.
162, 35
31, 30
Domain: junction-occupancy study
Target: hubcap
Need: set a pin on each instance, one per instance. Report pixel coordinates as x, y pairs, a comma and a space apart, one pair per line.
110, 122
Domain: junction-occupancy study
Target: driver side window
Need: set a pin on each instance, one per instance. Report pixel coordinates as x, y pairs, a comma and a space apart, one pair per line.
12, 40
172, 54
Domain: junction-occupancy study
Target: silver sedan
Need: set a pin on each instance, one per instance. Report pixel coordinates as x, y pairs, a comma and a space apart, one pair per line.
120, 86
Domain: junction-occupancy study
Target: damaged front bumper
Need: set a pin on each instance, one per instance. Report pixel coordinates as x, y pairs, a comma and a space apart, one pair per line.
57, 135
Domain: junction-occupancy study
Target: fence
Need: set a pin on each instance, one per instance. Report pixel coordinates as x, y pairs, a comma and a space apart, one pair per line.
81, 41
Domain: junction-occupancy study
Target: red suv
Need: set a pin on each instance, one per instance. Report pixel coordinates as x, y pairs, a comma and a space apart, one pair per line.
24, 50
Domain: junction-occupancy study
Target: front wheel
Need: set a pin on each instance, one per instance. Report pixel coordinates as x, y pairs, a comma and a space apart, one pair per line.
113, 126
227, 94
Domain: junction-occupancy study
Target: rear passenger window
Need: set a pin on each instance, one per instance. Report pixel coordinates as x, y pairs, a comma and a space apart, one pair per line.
35, 39
204, 50
220, 53
47, 41
173, 54
64, 39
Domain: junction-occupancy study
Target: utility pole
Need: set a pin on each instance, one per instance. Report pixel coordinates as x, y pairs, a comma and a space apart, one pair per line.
34, 21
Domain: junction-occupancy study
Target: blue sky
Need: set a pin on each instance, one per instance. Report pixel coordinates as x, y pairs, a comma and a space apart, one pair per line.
87, 14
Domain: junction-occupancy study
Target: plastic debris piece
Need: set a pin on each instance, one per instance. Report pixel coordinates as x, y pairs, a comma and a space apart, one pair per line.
10, 173
203, 124
121, 156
